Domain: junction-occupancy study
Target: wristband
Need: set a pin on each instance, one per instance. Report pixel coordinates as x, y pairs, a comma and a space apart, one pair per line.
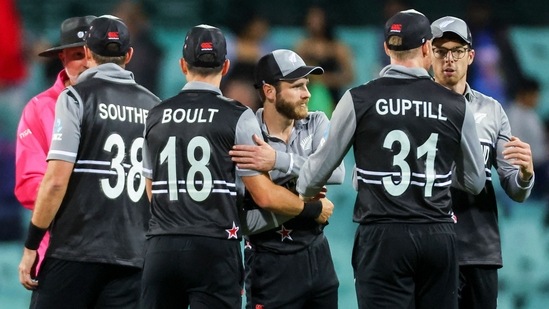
311, 210
34, 236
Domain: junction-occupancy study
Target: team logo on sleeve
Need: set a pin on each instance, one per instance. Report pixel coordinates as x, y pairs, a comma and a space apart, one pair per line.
57, 128
233, 232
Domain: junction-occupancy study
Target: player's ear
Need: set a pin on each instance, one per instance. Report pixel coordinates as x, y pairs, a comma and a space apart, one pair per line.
183, 66
269, 91
471, 56
386, 49
129, 55
226, 66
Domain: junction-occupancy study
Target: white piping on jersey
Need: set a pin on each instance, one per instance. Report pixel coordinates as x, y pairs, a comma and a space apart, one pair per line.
65, 153
165, 191
488, 174
291, 165
223, 182
227, 190
217, 182
92, 171
486, 141
97, 170
373, 173
377, 181
415, 183
93, 162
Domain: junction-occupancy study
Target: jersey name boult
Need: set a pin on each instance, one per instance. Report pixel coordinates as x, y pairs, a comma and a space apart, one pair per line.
189, 115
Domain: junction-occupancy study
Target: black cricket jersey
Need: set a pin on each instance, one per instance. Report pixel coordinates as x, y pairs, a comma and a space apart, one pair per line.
407, 132
196, 187
99, 126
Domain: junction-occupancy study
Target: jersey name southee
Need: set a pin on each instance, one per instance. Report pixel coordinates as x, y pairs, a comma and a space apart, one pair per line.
123, 113
189, 115
406, 107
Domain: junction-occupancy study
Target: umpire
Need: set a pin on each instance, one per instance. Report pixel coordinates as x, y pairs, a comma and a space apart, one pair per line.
407, 133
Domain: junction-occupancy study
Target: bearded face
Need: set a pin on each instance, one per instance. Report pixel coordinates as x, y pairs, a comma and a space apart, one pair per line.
291, 100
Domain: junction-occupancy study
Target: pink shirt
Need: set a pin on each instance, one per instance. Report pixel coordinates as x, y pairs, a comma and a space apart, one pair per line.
32, 145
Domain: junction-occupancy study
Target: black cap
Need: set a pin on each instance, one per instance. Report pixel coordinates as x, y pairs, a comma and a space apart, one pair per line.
72, 34
108, 36
411, 26
453, 25
282, 64
205, 40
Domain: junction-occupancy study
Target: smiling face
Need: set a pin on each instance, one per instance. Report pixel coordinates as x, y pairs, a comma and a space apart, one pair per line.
448, 70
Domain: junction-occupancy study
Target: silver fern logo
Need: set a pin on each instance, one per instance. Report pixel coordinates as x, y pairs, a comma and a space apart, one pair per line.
306, 143
446, 23
479, 117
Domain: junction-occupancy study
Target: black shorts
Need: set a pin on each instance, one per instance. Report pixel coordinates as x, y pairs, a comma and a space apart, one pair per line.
183, 270
405, 266
305, 279
69, 284
478, 287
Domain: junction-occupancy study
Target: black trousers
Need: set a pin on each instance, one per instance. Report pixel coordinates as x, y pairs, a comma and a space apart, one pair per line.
202, 272
301, 280
69, 284
478, 287
405, 266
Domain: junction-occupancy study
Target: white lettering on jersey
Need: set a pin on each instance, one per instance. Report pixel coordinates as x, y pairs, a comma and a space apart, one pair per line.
122, 113
422, 109
189, 115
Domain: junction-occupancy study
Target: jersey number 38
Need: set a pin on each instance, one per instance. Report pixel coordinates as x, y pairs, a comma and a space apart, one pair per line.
133, 181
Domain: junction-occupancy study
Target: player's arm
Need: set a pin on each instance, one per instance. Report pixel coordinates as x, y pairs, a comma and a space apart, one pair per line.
319, 166
514, 164
61, 158
319, 140
30, 155
262, 157
50, 195
280, 200
469, 164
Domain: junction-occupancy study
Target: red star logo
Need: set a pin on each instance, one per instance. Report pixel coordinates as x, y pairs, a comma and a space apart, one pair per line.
284, 233
233, 232
248, 245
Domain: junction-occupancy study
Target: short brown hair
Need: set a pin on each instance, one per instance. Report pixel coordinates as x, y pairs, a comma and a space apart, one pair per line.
120, 60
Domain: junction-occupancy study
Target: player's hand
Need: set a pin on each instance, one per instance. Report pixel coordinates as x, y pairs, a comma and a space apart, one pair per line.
260, 158
26, 268
520, 154
321, 194
327, 211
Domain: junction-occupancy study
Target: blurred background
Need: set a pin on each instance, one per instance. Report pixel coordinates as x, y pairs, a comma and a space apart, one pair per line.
345, 37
